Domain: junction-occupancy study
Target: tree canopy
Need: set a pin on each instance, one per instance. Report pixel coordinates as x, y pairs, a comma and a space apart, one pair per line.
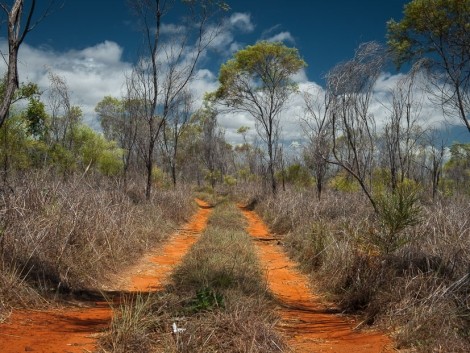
258, 80
439, 31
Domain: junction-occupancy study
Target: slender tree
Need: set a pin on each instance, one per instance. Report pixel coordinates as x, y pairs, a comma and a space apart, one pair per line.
351, 86
317, 127
258, 81
168, 63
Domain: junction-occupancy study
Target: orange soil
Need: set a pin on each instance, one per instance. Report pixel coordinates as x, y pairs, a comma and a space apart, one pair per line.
74, 330
306, 322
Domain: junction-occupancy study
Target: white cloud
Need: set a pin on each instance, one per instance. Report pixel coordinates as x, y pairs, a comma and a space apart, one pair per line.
91, 73
242, 21
282, 37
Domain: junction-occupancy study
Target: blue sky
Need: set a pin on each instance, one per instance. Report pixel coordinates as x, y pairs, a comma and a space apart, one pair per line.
93, 43
325, 32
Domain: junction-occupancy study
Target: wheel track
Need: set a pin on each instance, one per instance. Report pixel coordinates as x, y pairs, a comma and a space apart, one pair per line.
75, 329
307, 323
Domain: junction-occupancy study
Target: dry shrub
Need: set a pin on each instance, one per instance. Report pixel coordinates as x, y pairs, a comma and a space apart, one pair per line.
421, 289
71, 234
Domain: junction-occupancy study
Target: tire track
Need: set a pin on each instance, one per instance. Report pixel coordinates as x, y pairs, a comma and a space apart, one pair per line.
308, 325
75, 330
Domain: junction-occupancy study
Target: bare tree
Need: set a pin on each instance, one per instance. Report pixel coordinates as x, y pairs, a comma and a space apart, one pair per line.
64, 116
168, 64
350, 85
317, 127
175, 126
433, 150
402, 132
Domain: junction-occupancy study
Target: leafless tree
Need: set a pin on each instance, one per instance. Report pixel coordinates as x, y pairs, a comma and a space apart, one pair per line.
317, 127
350, 85
402, 131
64, 116
175, 125
433, 147
169, 62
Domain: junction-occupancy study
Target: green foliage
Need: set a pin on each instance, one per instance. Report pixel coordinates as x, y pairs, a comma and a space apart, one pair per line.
230, 180
37, 119
95, 151
428, 25
110, 111
206, 300
343, 182
398, 210
457, 168
160, 178
62, 158
268, 65
297, 175
18, 149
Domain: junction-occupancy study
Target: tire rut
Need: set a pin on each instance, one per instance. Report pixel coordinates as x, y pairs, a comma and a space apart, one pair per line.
76, 329
307, 323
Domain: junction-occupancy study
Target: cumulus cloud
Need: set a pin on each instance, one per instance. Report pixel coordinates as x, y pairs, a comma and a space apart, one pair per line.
91, 73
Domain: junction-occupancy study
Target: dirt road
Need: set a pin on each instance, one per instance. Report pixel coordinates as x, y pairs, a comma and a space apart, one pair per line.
75, 329
307, 323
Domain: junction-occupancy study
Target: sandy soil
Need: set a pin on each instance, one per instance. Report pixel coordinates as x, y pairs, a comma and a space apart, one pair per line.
75, 329
308, 324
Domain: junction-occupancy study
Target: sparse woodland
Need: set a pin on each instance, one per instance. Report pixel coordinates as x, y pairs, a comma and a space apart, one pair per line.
376, 212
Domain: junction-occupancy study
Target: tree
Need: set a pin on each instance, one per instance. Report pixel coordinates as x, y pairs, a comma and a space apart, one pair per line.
317, 127
401, 131
211, 139
168, 64
175, 127
258, 81
350, 85
439, 31
16, 36
64, 116
118, 119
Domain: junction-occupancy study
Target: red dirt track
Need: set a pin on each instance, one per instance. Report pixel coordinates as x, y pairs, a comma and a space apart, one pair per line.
75, 329
305, 321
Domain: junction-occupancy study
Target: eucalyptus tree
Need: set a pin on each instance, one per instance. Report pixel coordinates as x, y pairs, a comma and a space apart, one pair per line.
119, 123
16, 35
168, 63
19, 22
258, 81
437, 32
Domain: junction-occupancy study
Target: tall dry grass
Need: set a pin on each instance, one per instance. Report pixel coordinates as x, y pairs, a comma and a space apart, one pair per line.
217, 296
420, 291
67, 235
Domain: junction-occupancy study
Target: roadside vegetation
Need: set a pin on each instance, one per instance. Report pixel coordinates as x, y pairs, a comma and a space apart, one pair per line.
61, 236
415, 286
218, 298
373, 206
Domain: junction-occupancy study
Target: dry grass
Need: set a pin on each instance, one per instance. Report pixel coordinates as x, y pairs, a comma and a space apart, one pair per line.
70, 235
218, 296
420, 291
